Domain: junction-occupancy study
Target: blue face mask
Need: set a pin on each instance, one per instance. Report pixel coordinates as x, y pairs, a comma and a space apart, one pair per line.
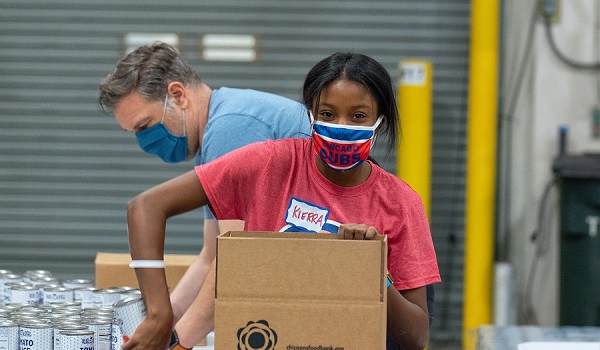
158, 140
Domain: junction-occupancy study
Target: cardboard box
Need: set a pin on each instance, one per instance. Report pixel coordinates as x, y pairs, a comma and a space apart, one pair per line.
278, 290
112, 270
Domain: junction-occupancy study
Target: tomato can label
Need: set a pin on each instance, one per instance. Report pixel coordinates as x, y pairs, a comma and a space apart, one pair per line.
85, 296
24, 295
102, 334
117, 338
76, 339
129, 312
57, 294
65, 328
9, 336
35, 337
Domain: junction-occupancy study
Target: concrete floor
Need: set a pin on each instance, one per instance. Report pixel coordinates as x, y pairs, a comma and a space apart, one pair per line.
444, 346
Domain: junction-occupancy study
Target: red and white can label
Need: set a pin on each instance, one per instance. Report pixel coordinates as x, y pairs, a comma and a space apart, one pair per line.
129, 312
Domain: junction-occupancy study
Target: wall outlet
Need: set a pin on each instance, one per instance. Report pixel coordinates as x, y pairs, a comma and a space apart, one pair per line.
596, 123
549, 8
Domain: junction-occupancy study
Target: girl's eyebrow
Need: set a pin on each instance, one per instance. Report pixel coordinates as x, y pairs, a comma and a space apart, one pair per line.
362, 105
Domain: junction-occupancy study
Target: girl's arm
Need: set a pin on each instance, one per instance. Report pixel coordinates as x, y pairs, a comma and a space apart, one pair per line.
147, 216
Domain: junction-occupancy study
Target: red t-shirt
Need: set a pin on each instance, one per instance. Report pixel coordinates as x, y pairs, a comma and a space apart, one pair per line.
276, 186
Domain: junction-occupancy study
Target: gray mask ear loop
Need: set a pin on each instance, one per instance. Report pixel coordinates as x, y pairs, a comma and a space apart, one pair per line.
377, 123
162, 121
165, 112
312, 121
183, 120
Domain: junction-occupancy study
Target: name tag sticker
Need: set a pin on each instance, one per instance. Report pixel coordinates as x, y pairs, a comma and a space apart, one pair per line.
306, 215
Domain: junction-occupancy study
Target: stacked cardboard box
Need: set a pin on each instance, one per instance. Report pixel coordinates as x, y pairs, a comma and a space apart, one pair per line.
112, 269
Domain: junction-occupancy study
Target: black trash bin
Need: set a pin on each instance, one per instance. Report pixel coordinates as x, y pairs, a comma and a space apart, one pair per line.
579, 180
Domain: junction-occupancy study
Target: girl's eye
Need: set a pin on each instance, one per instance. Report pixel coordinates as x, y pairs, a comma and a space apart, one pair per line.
359, 116
326, 115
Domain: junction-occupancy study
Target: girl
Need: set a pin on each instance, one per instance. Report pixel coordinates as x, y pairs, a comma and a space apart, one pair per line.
351, 101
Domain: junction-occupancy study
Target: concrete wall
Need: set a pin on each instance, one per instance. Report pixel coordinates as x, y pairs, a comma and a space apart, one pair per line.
552, 94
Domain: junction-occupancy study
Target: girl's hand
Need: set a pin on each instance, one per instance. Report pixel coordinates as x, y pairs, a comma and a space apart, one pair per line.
356, 231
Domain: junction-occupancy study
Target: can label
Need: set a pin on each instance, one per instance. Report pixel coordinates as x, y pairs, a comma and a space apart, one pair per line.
66, 328
9, 336
24, 295
85, 296
117, 338
52, 295
4, 279
80, 340
102, 334
129, 312
35, 338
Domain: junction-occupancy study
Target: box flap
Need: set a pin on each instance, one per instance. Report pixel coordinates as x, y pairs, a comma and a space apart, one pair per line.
299, 266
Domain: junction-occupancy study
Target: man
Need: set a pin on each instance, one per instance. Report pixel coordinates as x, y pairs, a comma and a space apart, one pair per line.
154, 93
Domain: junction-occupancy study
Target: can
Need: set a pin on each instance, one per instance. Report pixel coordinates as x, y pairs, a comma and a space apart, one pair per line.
76, 339
24, 294
44, 280
106, 297
34, 274
41, 286
77, 283
5, 282
65, 305
12, 307
9, 335
129, 313
117, 338
85, 296
35, 336
60, 327
57, 294
102, 328
4, 314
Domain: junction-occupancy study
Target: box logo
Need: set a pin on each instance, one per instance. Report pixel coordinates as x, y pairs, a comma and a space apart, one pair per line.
257, 335
306, 216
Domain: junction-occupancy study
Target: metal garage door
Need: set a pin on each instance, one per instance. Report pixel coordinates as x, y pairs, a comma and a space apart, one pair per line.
67, 170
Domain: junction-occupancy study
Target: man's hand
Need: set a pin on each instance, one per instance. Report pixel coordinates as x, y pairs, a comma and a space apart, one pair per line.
356, 231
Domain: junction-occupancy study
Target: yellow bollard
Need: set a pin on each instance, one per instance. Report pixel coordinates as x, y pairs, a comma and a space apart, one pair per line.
415, 111
481, 169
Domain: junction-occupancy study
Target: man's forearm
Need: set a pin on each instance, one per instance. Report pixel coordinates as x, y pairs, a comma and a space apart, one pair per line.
188, 287
198, 320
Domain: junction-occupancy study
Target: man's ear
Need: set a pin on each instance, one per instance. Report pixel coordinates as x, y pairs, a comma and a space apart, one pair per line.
179, 93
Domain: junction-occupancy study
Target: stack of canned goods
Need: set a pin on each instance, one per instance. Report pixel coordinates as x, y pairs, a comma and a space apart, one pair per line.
38, 312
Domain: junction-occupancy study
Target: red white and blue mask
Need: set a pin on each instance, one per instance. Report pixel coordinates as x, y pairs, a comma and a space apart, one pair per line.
343, 147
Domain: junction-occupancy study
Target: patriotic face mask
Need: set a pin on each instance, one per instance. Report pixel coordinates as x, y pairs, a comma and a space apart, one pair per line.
343, 147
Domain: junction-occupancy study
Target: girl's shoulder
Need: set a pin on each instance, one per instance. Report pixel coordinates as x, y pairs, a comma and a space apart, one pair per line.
395, 184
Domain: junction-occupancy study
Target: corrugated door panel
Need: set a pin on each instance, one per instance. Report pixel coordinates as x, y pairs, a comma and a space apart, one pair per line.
67, 170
